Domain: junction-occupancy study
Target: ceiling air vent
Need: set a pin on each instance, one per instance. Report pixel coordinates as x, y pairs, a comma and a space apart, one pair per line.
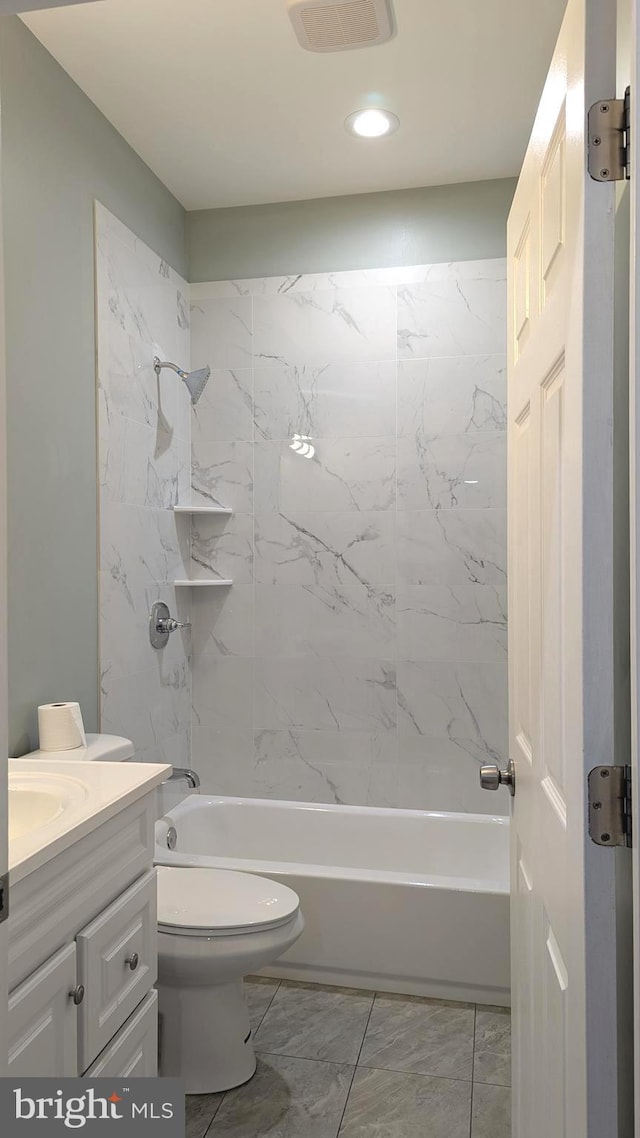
341, 25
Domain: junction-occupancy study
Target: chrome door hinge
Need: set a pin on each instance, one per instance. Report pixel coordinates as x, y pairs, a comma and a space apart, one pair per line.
610, 806
4, 897
609, 141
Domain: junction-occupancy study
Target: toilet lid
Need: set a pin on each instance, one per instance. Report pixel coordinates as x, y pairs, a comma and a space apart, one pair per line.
218, 902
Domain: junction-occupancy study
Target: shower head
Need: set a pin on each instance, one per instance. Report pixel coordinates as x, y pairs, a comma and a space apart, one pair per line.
195, 381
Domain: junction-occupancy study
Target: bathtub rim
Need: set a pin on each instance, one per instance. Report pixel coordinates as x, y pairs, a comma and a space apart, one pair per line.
194, 798
164, 856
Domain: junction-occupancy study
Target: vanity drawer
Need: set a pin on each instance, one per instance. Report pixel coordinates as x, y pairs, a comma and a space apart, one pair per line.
43, 1020
134, 1051
117, 964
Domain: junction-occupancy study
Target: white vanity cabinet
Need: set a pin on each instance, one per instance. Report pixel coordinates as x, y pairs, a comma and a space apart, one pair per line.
117, 965
83, 955
43, 1035
133, 1053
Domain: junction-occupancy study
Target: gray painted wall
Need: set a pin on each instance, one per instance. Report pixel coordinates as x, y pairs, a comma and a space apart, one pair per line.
401, 227
58, 154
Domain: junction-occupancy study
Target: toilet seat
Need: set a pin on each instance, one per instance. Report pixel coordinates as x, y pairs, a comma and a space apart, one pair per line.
220, 902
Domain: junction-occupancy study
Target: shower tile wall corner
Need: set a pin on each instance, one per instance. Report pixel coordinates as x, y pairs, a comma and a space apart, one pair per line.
144, 433
356, 424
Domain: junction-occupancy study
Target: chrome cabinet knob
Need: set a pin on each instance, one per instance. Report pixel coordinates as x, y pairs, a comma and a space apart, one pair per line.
492, 778
133, 961
77, 995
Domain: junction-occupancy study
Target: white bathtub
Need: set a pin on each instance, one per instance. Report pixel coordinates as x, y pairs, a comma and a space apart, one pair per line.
397, 900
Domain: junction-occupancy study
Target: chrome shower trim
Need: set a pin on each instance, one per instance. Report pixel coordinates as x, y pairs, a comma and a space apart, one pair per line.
158, 365
192, 778
195, 381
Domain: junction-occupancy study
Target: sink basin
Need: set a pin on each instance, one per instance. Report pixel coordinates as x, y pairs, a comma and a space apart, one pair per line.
29, 809
54, 803
37, 799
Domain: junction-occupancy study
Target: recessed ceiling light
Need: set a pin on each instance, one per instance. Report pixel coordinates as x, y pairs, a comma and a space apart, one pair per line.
372, 123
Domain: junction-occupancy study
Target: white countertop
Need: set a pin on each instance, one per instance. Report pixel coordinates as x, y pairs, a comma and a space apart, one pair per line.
92, 793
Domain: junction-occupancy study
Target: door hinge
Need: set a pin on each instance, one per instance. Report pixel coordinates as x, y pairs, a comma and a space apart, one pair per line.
4, 897
609, 141
610, 806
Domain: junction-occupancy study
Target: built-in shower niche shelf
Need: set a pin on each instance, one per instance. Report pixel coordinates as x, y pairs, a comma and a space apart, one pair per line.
226, 510
215, 582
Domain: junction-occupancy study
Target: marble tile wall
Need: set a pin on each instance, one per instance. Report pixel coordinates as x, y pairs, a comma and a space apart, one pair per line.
356, 424
144, 469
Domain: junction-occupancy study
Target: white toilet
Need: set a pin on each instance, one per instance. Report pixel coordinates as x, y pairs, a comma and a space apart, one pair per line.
215, 926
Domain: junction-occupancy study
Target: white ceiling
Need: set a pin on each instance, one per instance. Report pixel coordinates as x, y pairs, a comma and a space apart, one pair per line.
223, 104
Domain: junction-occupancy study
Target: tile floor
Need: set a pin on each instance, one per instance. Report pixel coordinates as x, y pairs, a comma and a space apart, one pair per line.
364, 1065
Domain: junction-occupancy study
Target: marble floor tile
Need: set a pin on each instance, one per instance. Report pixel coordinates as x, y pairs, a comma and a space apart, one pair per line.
426, 1037
388, 1104
199, 1113
315, 1023
259, 992
287, 1098
493, 1046
491, 1112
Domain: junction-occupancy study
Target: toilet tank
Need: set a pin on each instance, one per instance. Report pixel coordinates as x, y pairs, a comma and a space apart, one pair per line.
99, 749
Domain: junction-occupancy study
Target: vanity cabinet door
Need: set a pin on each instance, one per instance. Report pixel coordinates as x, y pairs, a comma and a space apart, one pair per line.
117, 963
133, 1054
43, 1020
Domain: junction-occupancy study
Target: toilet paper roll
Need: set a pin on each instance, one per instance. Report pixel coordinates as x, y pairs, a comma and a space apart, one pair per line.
61, 727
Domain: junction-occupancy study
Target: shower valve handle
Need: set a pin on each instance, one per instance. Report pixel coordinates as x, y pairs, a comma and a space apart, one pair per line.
168, 624
162, 624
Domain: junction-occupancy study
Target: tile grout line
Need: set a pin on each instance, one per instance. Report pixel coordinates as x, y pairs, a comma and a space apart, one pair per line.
473, 1068
413, 1074
367, 1067
215, 1114
253, 1033
355, 1068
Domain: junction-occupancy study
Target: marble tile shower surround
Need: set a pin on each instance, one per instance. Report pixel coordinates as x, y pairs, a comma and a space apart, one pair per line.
144, 432
360, 656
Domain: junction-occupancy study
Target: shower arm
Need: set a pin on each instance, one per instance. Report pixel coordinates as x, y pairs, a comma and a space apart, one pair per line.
158, 365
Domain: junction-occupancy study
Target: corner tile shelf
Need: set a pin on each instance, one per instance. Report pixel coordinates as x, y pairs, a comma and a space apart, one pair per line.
219, 582
203, 510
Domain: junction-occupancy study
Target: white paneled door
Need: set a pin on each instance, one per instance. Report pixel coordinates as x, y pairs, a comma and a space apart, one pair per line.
560, 249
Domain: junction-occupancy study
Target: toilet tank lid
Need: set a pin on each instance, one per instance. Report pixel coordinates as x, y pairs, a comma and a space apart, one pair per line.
99, 748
